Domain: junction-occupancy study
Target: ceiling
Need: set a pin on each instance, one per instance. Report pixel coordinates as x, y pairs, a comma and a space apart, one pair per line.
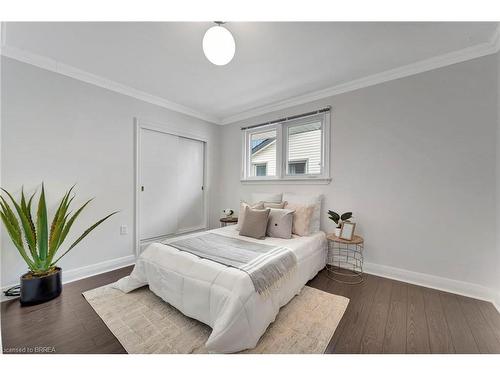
273, 61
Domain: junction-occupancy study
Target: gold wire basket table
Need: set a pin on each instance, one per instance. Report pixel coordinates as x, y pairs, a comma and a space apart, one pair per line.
344, 261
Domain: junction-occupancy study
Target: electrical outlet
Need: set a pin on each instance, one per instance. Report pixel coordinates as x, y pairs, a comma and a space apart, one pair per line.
123, 230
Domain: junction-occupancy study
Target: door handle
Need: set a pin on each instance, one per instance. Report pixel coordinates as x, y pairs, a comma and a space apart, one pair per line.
142, 188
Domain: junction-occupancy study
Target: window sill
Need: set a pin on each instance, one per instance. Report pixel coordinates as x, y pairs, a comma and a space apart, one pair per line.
288, 181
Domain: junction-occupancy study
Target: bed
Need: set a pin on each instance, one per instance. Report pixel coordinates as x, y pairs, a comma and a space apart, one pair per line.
224, 297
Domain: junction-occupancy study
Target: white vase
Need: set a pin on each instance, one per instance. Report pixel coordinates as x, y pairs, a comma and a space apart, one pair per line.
337, 232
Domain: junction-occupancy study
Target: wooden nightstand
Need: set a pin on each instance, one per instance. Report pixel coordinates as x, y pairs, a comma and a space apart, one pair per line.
344, 261
224, 221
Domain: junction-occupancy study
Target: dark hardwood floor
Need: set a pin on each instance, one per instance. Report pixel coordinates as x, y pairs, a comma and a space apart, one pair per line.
67, 324
388, 316
383, 316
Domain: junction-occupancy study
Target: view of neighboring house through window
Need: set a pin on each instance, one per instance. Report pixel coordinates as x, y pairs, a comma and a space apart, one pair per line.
304, 149
289, 149
263, 154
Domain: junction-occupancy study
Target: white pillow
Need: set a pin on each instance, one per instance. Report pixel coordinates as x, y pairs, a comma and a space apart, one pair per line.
307, 200
266, 197
279, 224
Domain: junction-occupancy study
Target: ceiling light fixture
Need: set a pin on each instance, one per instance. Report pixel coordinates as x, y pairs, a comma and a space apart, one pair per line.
218, 44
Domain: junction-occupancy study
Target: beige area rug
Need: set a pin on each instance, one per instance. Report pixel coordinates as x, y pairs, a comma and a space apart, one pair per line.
144, 323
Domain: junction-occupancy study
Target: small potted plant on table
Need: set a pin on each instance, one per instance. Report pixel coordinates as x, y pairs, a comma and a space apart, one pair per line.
43, 281
339, 219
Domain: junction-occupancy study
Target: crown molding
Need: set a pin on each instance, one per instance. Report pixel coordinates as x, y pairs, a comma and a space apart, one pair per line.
492, 46
81, 75
469, 53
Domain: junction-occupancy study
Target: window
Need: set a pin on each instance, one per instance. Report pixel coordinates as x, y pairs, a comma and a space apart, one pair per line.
260, 169
297, 167
262, 151
288, 150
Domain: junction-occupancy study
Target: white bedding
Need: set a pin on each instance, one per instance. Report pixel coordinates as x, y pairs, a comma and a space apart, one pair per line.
224, 297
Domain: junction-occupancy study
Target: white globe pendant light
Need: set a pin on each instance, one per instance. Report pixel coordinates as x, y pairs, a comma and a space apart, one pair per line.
218, 44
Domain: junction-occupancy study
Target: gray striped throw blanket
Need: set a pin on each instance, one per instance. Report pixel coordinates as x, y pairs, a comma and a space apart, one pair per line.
266, 265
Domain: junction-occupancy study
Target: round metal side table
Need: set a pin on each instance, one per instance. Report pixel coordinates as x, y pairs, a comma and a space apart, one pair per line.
345, 259
225, 221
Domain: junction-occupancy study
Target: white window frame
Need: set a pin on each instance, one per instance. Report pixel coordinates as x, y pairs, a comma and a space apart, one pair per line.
247, 161
282, 152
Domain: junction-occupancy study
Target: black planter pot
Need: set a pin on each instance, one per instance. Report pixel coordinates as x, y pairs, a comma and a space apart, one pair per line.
35, 290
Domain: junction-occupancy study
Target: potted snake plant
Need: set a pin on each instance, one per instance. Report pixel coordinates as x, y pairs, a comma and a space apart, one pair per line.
38, 244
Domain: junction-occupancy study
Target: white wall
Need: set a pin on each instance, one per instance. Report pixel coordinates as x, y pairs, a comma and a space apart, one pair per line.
63, 131
414, 159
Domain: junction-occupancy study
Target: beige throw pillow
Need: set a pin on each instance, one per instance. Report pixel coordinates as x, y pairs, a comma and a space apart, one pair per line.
301, 218
274, 205
255, 223
307, 200
266, 197
241, 217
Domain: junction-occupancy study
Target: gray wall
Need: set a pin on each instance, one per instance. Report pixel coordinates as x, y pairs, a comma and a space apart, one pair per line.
63, 131
414, 159
498, 182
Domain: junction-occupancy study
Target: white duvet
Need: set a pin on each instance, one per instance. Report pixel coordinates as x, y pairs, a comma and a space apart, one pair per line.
224, 297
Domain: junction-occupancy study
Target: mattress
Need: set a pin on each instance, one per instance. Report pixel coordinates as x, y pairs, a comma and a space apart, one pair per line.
224, 297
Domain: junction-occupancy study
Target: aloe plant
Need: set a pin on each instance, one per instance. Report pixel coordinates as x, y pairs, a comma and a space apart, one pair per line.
42, 244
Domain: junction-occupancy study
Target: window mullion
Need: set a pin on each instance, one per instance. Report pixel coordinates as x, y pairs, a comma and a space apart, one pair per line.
279, 151
284, 154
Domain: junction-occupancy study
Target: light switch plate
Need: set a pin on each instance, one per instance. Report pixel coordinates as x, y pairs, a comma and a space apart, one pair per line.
123, 230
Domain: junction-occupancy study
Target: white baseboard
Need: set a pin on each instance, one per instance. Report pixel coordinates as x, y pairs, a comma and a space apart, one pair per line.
435, 282
87, 271
422, 279
95, 269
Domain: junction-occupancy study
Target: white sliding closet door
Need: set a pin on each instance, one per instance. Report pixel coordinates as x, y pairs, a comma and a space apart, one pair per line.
159, 190
171, 175
190, 182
